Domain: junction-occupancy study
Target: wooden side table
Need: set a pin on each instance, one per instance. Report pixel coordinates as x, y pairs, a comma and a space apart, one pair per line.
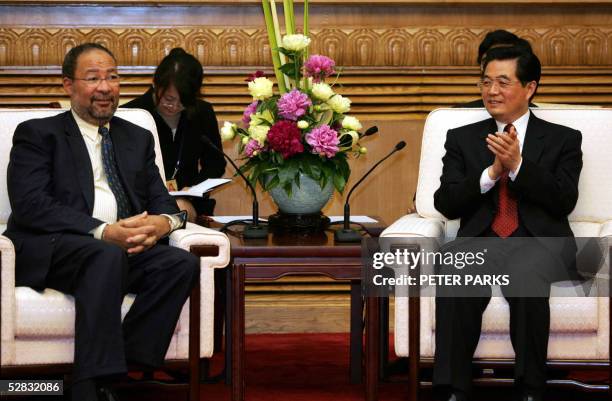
294, 254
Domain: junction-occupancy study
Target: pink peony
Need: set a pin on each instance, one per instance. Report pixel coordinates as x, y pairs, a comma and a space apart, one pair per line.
324, 141
285, 138
293, 105
251, 108
319, 67
253, 148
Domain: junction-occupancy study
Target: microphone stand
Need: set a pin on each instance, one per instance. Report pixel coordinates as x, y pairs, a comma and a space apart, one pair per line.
346, 233
253, 228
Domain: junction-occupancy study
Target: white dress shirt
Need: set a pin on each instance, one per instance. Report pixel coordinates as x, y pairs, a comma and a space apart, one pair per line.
105, 204
520, 125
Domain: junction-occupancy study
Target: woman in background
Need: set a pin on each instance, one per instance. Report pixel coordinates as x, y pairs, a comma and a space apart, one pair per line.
182, 119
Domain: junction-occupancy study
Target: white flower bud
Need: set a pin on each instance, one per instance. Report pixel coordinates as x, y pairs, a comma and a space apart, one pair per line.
228, 131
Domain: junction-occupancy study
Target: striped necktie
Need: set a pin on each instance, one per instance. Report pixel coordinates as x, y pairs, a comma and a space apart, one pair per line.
112, 175
506, 219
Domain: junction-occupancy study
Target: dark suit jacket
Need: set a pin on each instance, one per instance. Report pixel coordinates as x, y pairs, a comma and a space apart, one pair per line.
192, 126
50, 186
546, 185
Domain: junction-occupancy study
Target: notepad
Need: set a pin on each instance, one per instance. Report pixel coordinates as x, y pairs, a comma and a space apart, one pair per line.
202, 188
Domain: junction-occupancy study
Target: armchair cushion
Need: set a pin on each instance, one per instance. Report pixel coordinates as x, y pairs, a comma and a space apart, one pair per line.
38, 327
579, 325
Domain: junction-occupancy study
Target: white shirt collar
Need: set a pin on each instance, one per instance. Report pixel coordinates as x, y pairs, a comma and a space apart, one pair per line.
87, 129
520, 124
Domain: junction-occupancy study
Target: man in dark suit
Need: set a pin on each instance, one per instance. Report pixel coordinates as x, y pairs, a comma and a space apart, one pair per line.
513, 175
88, 210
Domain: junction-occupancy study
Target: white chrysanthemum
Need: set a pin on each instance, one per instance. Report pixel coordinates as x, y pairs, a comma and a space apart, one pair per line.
259, 133
303, 124
339, 104
352, 123
322, 91
295, 42
261, 88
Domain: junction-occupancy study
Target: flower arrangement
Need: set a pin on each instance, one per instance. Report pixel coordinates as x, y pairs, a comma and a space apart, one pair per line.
305, 128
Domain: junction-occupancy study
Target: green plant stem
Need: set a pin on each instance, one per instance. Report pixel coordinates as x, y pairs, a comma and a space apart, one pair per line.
306, 30
289, 16
280, 77
283, 58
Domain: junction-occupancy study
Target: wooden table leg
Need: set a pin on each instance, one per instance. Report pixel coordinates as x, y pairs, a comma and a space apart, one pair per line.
356, 342
414, 347
228, 324
238, 354
372, 347
194, 343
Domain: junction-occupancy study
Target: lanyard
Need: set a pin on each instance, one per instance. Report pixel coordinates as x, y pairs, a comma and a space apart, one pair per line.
178, 155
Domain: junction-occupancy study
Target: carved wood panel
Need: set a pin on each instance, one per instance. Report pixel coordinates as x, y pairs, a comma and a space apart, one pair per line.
247, 46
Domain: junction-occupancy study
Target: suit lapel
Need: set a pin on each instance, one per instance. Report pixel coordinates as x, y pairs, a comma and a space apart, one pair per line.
84, 170
486, 156
534, 139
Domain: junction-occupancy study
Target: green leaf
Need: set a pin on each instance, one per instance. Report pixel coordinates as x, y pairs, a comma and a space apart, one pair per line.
339, 182
289, 70
289, 53
345, 140
287, 174
273, 183
326, 117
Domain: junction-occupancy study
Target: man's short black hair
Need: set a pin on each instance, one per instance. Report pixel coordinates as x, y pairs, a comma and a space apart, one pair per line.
182, 70
71, 58
500, 38
528, 67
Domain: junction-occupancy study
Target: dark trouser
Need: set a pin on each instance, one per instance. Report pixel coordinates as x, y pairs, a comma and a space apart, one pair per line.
98, 274
459, 316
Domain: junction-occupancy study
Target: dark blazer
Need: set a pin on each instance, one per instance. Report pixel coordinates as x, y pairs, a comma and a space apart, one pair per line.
546, 185
192, 126
50, 186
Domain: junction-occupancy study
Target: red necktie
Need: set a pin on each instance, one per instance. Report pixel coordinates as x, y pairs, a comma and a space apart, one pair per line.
506, 219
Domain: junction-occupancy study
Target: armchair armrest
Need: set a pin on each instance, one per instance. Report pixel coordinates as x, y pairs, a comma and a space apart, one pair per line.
7, 303
413, 225
198, 235
184, 239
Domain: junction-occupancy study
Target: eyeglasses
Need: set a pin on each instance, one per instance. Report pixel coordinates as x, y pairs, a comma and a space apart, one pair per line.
172, 103
112, 79
502, 84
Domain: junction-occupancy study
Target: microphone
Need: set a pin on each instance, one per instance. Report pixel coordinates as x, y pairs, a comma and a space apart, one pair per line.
371, 131
254, 230
346, 234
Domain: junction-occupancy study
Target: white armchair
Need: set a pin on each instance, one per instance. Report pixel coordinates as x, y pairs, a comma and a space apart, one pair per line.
579, 325
38, 327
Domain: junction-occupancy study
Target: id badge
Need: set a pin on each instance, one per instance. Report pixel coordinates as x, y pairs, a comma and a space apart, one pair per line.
171, 185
